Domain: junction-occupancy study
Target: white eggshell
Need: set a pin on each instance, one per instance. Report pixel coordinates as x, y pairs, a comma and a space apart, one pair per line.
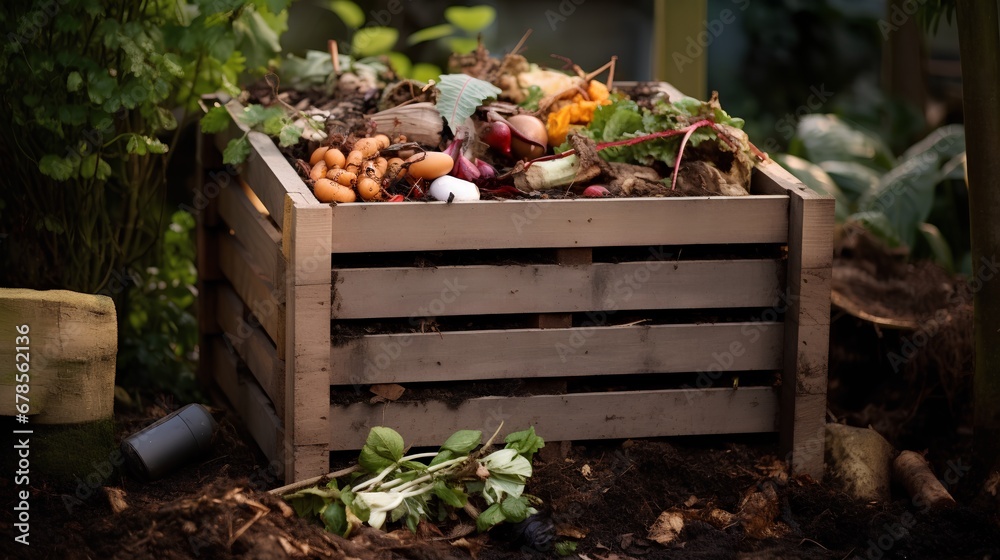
442, 187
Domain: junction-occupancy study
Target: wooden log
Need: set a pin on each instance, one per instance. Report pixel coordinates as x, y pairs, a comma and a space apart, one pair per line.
913, 471
70, 345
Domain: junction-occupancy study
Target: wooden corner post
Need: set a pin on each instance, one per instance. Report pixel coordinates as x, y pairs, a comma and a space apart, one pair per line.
306, 244
807, 330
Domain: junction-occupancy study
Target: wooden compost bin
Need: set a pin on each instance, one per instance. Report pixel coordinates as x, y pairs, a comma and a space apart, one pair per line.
274, 285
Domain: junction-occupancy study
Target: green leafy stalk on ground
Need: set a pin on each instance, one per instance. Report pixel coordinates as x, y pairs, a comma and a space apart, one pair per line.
392, 487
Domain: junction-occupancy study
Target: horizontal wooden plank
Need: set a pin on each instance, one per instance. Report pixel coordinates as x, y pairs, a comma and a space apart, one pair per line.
250, 402
525, 353
256, 233
566, 417
436, 226
257, 294
479, 290
253, 346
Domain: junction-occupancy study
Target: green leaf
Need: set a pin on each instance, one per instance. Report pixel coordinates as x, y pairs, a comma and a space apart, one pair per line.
853, 179
942, 144
463, 442
311, 71
442, 456
56, 167
289, 135
499, 485
372, 41
525, 442
454, 497
135, 145
73, 81
103, 170
905, 195
515, 509
384, 447
472, 19
489, 517
462, 45
534, 95
400, 64
88, 166
350, 13
236, 151
565, 548
74, 115
335, 518
828, 138
425, 72
459, 97
507, 461
215, 120
155, 146
429, 34
413, 465
254, 115
273, 124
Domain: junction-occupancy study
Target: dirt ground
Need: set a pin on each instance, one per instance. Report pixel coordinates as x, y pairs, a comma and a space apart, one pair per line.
703, 497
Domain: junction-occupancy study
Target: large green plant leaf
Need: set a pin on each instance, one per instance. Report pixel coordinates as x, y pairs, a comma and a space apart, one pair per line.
430, 34
853, 179
938, 246
879, 225
459, 97
942, 145
905, 195
828, 138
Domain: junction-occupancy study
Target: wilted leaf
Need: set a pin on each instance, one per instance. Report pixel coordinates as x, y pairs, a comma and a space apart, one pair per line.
460, 96
667, 527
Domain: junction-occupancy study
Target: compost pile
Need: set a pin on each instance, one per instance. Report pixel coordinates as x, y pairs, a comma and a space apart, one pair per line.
493, 128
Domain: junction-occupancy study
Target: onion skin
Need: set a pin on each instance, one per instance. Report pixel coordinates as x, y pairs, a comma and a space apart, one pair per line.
530, 137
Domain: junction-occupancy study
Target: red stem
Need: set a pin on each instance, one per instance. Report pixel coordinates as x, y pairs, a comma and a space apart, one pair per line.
680, 152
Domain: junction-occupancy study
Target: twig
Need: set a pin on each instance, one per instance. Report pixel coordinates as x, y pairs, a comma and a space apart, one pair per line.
815, 543
520, 43
296, 486
334, 55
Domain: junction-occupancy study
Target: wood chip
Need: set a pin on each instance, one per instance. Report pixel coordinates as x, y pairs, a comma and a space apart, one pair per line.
691, 501
667, 527
116, 499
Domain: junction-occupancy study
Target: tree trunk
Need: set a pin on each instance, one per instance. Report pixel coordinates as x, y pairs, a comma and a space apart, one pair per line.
979, 42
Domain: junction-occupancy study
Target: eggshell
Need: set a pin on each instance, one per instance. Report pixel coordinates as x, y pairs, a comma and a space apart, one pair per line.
443, 187
430, 165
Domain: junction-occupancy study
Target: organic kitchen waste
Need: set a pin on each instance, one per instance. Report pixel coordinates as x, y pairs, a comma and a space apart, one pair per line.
491, 128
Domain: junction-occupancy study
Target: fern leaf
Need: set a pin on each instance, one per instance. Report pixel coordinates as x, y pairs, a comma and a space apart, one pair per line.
460, 95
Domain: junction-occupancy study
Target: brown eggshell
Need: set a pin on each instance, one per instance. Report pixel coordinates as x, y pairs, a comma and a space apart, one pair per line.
430, 165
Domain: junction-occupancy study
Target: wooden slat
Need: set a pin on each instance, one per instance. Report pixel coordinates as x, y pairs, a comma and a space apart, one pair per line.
272, 176
257, 294
527, 353
566, 417
253, 346
249, 400
254, 232
477, 290
807, 335
307, 377
436, 226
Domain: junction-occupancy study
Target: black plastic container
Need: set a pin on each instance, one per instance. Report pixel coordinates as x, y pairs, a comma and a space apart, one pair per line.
169, 442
